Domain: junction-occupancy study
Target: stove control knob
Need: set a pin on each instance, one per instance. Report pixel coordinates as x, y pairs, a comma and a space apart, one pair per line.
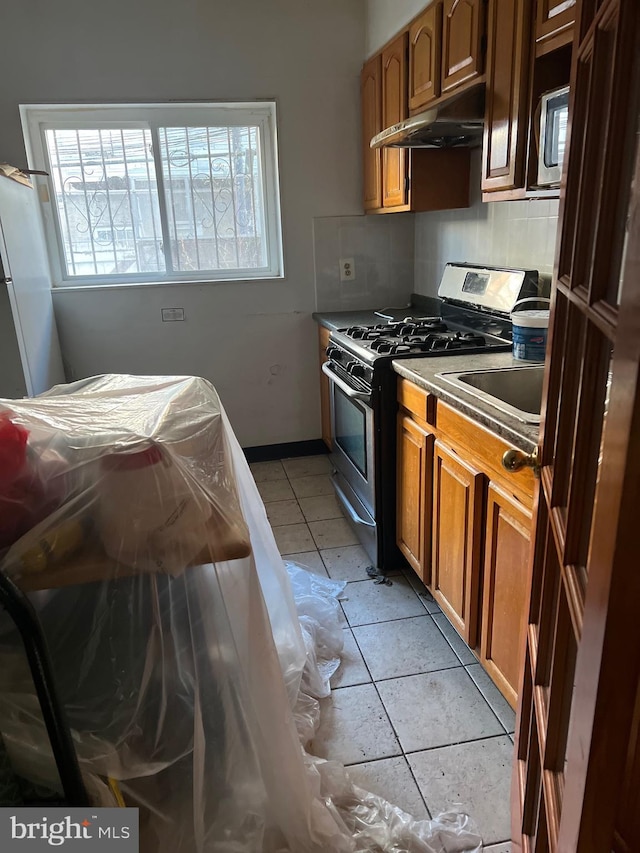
356, 369
331, 351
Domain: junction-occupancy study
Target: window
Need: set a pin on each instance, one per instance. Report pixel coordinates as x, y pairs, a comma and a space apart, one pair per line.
150, 193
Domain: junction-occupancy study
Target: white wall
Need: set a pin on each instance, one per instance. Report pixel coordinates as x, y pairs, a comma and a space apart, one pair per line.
520, 234
386, 17
254, 340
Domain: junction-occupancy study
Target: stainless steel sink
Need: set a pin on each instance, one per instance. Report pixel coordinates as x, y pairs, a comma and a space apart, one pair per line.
514, 390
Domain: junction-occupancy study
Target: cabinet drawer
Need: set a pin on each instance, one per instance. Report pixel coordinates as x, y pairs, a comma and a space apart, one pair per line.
486, 449
418, 402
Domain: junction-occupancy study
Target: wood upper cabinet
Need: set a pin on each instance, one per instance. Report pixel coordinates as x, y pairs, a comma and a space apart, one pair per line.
425, 43
505, 130
325, 399
394, 110
371, 98
414, 494
505, 587
554, 22
457, 540
462, 37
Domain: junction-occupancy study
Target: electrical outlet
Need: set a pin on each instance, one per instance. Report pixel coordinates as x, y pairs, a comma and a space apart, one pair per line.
347, 269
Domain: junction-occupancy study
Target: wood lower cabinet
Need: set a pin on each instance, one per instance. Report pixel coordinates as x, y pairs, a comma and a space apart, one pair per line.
425, 47
462, 42
505, 588
508, 61
394, 110
464, 526
371, 99
325, 399
457, 539
414, 495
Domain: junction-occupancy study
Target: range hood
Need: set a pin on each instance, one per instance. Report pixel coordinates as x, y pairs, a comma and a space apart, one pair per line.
454, 123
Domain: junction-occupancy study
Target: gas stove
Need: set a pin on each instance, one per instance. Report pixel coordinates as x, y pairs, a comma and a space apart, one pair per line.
474, 318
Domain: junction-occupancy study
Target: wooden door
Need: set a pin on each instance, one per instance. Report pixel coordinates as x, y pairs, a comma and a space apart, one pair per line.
457, 538
394, 110
371, 98
505, 587
325, 392
506, 106
462, 35
414, 495
553, 18
576, 768
425, 42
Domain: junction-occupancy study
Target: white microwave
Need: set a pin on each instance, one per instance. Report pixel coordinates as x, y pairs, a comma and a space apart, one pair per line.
554, 113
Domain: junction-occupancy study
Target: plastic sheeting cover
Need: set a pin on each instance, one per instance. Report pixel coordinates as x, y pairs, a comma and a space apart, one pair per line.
189, 660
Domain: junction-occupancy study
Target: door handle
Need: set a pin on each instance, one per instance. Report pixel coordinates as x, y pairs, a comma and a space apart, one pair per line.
344, 500
350, 392
515, 460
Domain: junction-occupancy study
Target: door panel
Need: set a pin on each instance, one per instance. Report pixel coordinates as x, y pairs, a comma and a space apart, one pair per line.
414, 495
508, 60
394, 110
577, 752
425, 43
457, 521
462, 32
505, 584
371, 96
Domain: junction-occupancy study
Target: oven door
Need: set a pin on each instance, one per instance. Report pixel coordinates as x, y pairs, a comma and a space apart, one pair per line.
353, 446
353, 431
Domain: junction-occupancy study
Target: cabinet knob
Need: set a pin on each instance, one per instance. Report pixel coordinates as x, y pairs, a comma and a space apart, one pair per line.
514, 460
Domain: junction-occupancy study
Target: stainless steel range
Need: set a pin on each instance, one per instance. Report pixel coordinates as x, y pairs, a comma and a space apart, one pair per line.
475, 307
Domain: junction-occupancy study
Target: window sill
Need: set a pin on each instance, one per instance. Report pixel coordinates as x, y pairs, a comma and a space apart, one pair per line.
74, 288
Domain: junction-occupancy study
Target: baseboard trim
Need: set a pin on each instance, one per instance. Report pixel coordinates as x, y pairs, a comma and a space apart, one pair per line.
268, 452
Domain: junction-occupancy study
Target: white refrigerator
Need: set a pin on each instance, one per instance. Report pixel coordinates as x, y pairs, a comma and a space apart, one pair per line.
30, 359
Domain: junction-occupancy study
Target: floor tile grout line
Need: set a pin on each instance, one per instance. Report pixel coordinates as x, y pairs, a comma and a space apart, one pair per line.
454, 743
484, 697
385, 621
468, 674
393, 728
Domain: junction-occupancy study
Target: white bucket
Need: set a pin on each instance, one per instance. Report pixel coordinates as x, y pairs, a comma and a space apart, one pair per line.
530, 331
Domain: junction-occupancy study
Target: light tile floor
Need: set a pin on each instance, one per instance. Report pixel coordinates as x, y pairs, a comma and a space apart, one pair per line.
413, 714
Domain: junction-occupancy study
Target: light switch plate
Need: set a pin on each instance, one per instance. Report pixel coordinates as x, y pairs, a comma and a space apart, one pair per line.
172, 315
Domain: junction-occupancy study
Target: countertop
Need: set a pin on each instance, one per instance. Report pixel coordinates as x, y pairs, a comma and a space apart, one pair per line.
421, 306
422, 371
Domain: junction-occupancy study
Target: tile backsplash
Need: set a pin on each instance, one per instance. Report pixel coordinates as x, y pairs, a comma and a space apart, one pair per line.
382, 248
396, 254
519, 234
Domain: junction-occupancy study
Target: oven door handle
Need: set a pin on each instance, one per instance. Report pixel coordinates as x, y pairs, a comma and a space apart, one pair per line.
344, 500
342, 385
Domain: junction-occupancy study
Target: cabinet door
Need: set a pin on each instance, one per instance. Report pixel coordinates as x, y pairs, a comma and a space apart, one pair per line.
462, 32
457, 531
394, 110
425, 42
371, 97
505, 587
505, 128
325, 399
554, 17
414, 495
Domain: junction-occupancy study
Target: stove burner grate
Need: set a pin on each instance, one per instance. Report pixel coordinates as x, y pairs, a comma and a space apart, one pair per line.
430, 342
